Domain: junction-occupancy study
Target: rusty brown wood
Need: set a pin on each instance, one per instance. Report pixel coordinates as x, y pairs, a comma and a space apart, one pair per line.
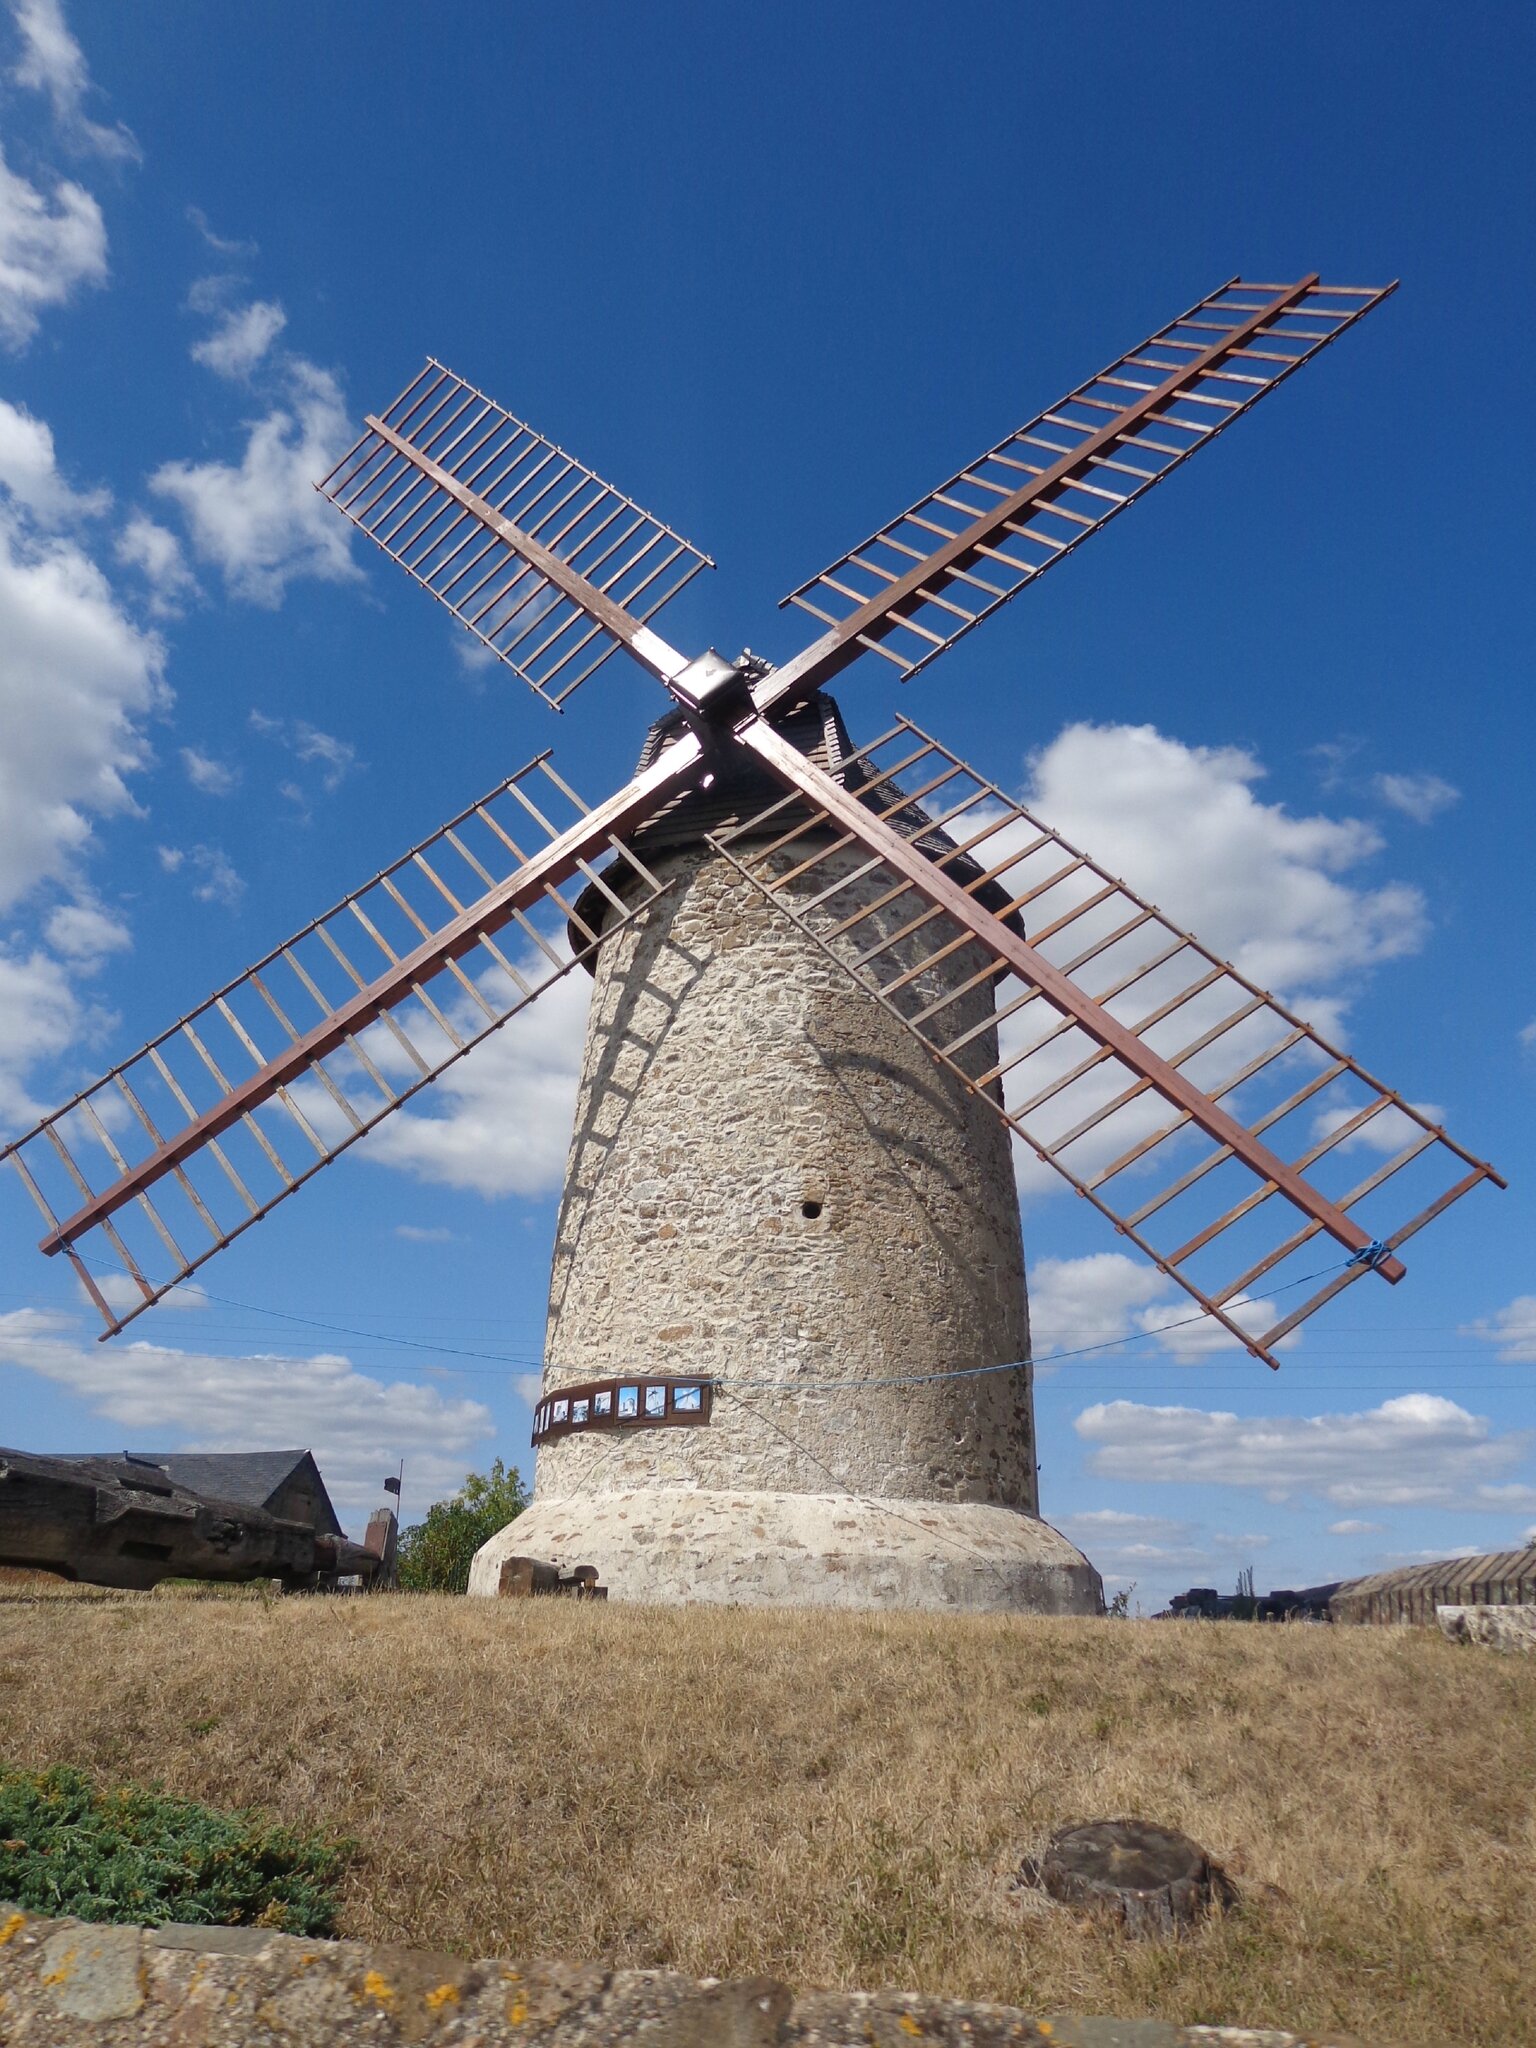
792, 767
828, 656
665, 778
647, 647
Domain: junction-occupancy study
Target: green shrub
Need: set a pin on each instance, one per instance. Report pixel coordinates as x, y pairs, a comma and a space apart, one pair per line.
435, 1554
136, 1856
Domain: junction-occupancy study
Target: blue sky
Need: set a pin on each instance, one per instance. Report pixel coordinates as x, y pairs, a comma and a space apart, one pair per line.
774, 271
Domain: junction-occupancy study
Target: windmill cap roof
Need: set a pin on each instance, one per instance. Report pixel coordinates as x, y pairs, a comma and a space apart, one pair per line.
742, 787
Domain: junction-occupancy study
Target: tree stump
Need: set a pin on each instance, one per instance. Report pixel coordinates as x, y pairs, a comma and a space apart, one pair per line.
1150, 1879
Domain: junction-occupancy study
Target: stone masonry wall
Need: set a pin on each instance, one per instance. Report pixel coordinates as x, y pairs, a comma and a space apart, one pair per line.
734, 1075
67, 1985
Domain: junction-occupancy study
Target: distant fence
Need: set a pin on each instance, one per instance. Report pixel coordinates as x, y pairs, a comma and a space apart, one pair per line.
1505, 1578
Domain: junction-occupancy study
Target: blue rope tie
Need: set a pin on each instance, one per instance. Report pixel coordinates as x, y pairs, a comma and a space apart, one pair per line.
1372, 1254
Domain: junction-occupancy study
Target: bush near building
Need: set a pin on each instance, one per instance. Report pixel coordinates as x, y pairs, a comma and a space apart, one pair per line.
435, 1555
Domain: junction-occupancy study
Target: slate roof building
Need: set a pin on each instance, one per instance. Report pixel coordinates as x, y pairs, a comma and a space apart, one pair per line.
285, 1483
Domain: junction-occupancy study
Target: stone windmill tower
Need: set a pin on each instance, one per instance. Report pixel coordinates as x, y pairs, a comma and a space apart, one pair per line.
865, 1231
834, 985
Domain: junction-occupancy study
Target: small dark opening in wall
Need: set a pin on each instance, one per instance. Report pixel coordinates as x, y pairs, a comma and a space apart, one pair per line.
810, 1211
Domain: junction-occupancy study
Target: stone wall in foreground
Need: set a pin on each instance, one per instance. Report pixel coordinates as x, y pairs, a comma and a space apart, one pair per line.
64, 1984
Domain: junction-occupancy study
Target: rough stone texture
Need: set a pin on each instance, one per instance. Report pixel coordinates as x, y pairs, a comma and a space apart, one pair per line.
733, 1076
806, 1550
1501, 1628
208, 1987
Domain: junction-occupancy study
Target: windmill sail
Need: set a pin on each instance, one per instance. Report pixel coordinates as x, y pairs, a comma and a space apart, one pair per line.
1214, 1129
548, 566
154, 1168
925, 578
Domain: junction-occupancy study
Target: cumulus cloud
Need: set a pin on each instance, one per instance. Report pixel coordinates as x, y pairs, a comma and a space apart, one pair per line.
212, 777
212, 873
29, 471
1351, 1527
259, 521
358, 1426
501, 1121
1092, 1300
50, 247
1106, 1298
1386, 1132
53, 63
1272, 892
155, 552
241, 339
77, 678
85, 933
1260, 886
1511, 1328
1417, 1449
1420, 797
39, 1015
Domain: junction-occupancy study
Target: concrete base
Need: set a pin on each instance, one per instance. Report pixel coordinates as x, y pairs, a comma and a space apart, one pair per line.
673, 1545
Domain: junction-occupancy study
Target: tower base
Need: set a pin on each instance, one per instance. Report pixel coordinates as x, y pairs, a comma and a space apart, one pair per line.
672, 1545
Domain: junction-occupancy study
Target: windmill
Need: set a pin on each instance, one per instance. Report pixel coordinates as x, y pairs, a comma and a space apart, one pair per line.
773, 1374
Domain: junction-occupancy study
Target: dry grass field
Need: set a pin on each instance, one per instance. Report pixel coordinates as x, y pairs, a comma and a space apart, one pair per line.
841, 1799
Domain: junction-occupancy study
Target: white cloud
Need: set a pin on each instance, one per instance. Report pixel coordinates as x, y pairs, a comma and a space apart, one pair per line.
1512, 1328
215, 879
1420, 797
505, 1122
1528, 1034
1116, 1522
1386, 1132
422, 1233
1093, 1300
1107, 1297
357, 1426
336, 757
48, 250
76, 680
156, 553
1350, 1527
260, 521
1414, 1449
39, 1015
30, 472
1189, 1336
241, 339
213, 778
85, 933
1257, 884
221, 243
53, 63
120, 1291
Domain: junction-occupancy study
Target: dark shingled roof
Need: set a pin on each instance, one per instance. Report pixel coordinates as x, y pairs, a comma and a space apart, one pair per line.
743, 787
248, 1478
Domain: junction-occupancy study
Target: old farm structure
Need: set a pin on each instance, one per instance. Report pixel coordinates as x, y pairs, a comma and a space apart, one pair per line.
836, 984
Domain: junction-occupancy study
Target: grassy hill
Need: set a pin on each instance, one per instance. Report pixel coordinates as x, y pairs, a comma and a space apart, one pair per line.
842, 1799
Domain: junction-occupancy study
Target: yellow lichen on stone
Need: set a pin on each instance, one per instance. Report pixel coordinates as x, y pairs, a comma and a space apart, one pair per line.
909, 2025
378, 1988
517, 2011
445, 1994
10, 1926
